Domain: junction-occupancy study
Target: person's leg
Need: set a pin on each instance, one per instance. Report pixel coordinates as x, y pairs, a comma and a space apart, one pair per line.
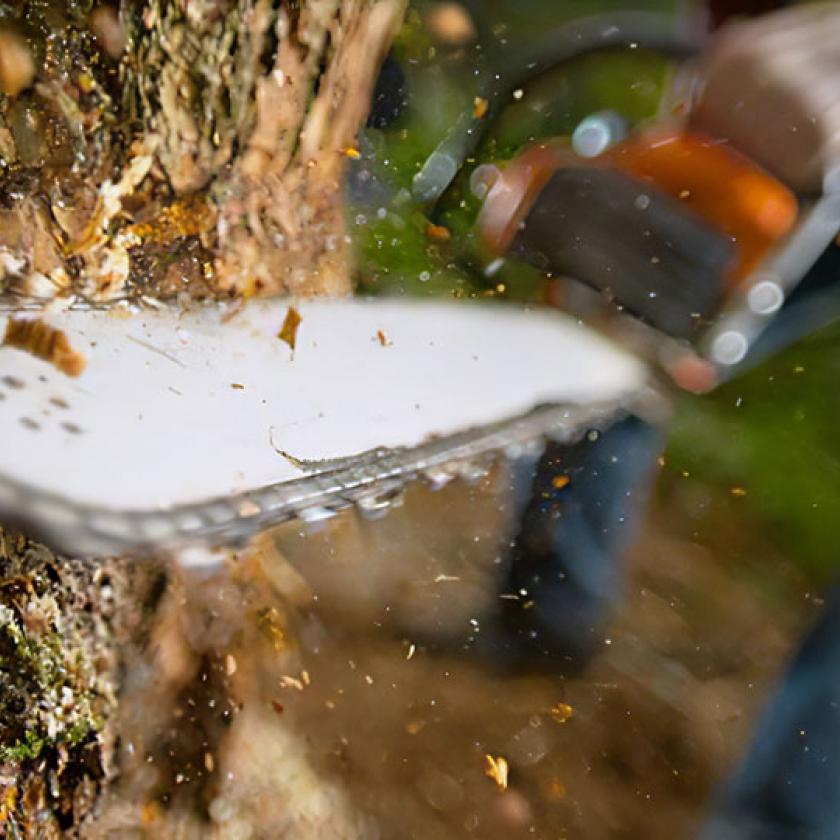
565, 573
789, 783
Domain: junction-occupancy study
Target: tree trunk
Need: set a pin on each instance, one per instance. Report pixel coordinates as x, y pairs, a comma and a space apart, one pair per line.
188, 148
180, 149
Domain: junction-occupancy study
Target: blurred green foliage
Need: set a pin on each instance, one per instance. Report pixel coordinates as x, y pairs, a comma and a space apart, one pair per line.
396, 254
774, 433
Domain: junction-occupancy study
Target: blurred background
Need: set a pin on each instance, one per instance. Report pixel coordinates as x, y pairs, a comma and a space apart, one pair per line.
770, 434
734, 555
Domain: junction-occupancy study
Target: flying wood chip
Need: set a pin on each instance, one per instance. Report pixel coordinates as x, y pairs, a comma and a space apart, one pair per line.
496, 768
288, 332
44, 342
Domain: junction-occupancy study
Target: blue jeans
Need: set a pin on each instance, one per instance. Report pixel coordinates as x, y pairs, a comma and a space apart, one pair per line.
788, 786
579, 507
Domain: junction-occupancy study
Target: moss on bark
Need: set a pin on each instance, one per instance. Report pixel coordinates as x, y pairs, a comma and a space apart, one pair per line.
63, 626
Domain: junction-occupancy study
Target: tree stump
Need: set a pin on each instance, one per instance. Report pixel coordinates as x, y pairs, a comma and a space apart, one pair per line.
172, 150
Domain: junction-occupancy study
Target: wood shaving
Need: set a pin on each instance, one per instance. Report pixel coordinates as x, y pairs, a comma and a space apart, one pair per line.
556, 789
287, 681
497, 770
561, 712
451, 24
41, 340
439, 232
17, 68
288, 332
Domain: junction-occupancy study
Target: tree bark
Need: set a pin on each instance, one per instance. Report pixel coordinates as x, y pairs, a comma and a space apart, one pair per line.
187, 148
175, 149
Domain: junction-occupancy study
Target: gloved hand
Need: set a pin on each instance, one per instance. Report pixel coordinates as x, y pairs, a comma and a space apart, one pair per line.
771, 88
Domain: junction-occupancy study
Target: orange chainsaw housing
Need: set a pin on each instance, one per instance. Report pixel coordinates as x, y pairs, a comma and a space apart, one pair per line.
716, 182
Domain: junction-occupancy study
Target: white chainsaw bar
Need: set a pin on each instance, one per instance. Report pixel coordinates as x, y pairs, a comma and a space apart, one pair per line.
196, 428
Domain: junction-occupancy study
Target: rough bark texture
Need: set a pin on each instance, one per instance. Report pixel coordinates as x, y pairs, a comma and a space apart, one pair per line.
138, 700
183, 148
168, 149
65, 627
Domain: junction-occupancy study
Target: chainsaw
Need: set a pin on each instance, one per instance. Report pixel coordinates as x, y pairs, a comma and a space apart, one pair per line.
673, 249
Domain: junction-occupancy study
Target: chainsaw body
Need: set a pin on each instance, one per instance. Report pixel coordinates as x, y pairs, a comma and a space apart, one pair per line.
694, 232
201, 428
195, 428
